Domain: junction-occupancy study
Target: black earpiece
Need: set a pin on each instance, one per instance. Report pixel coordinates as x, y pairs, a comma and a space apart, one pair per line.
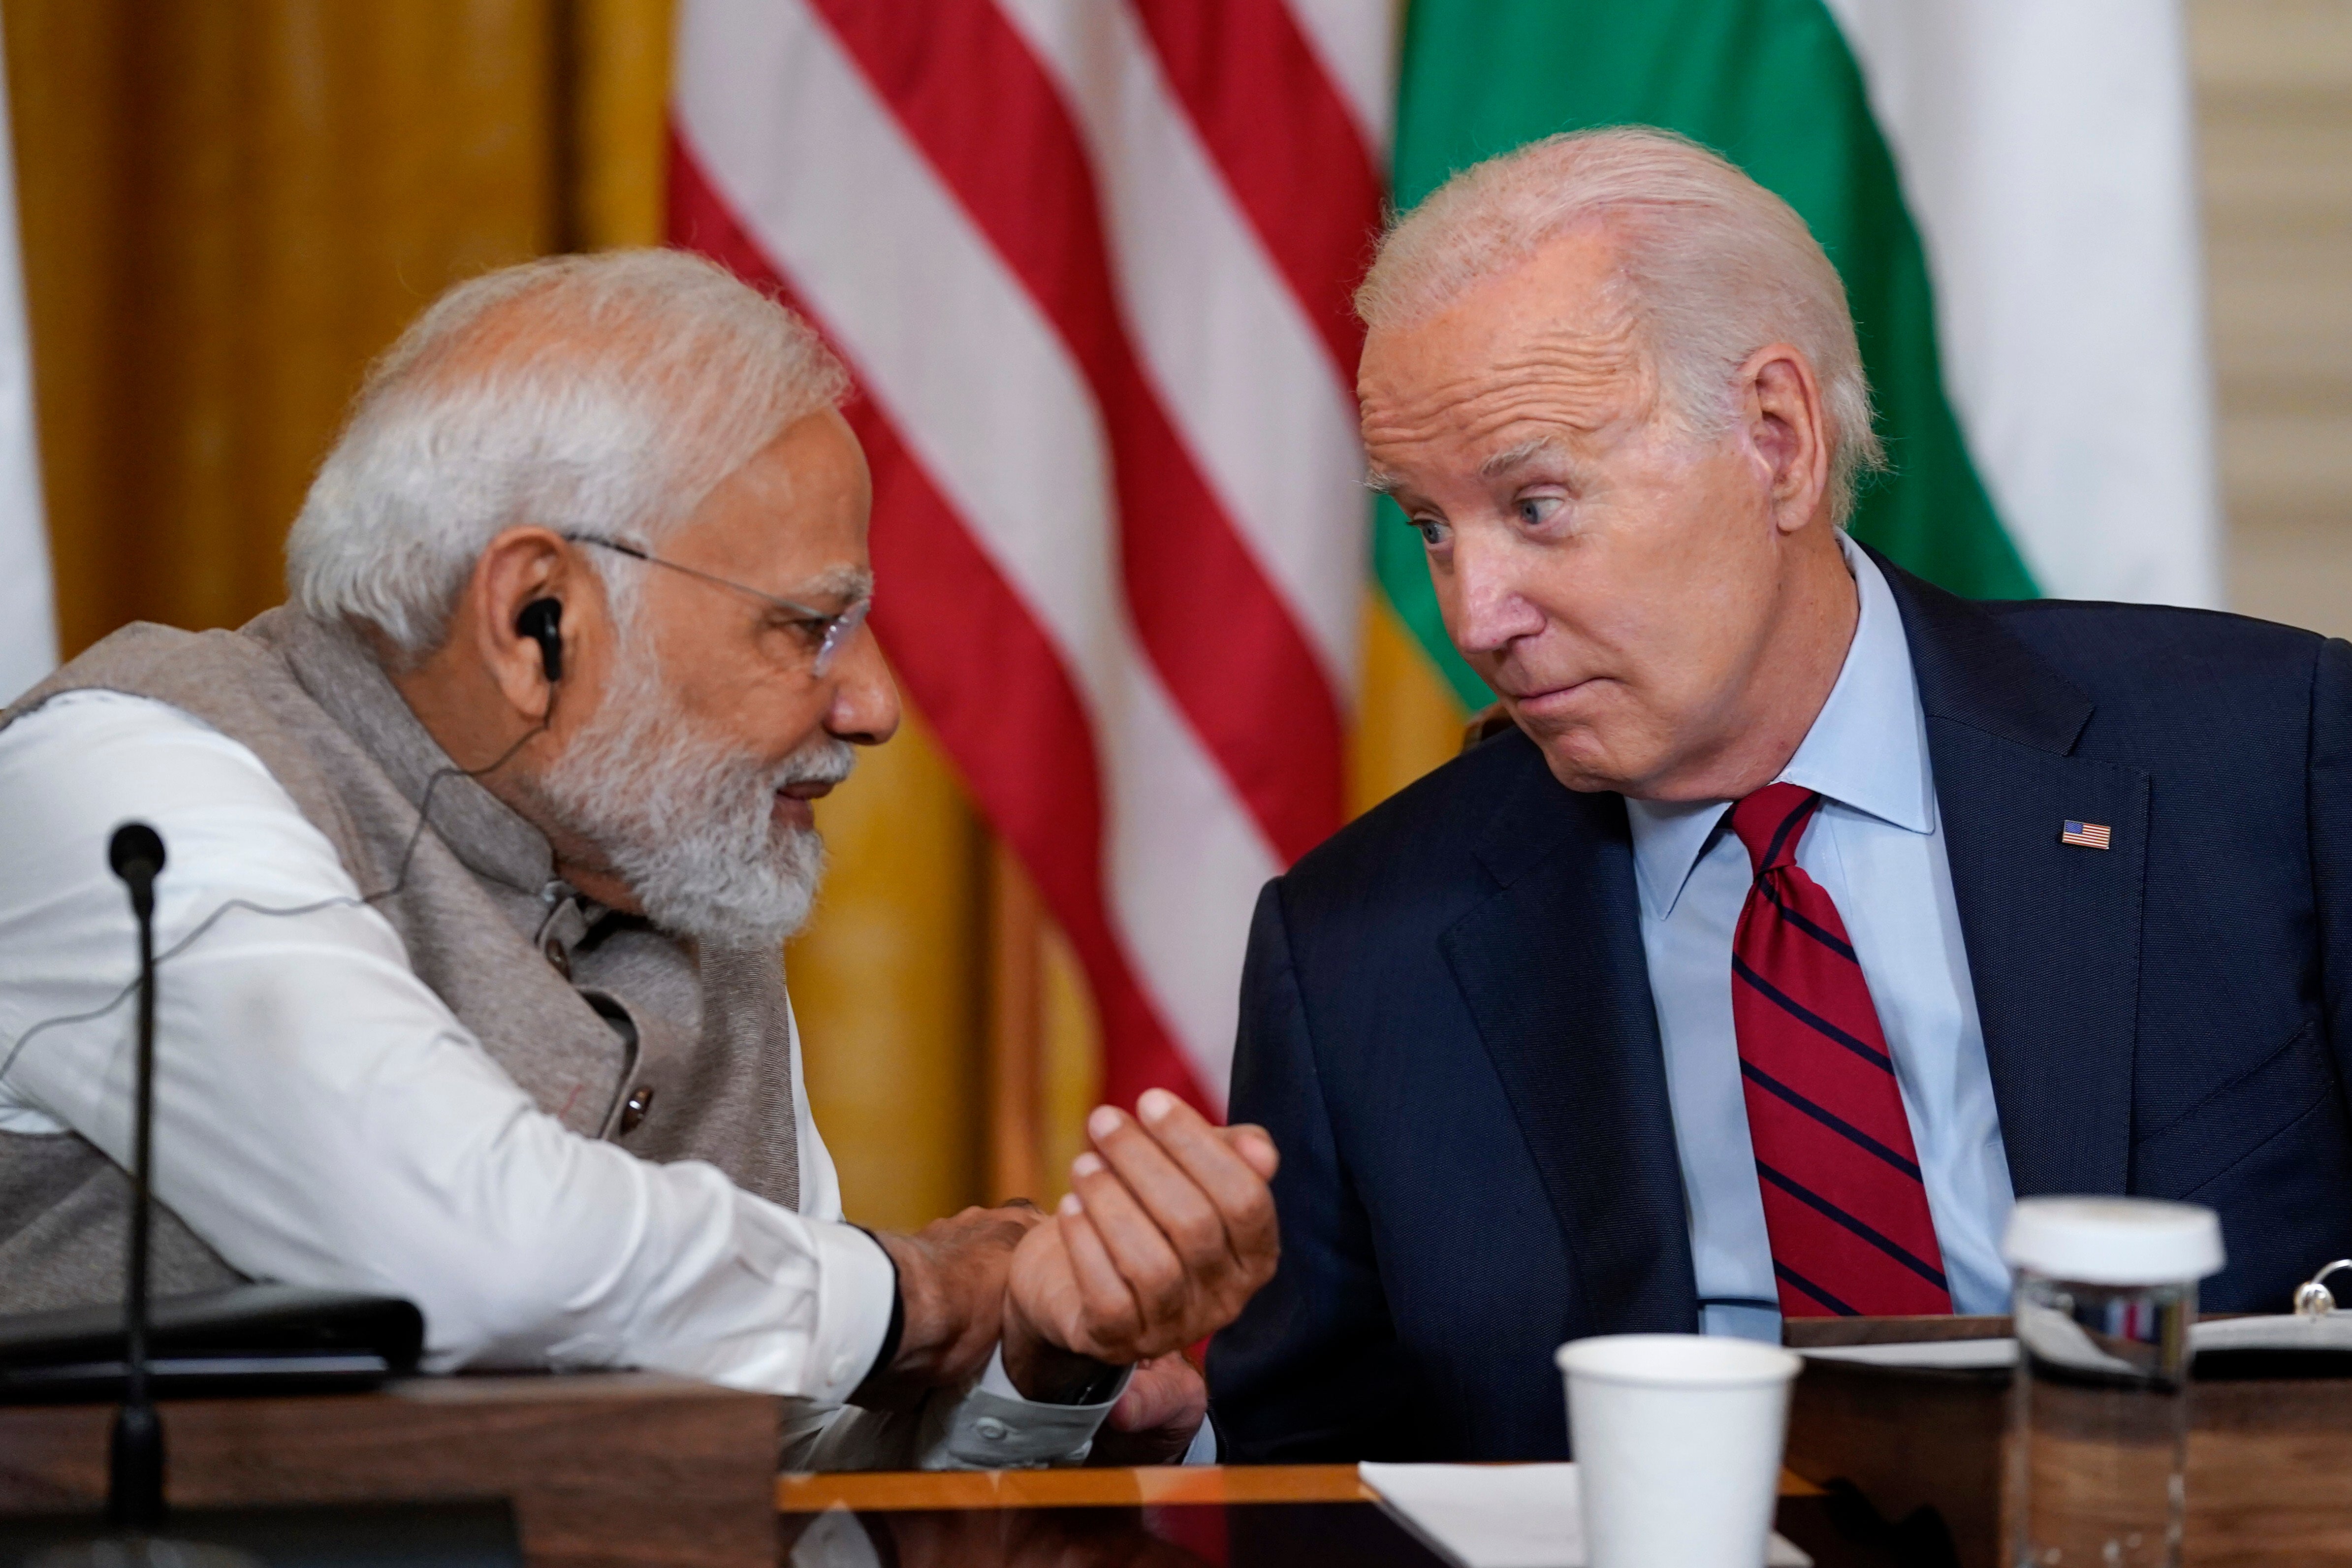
542, 622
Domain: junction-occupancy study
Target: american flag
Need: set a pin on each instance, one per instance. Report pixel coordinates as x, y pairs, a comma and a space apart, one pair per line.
1089, 261
2087, 835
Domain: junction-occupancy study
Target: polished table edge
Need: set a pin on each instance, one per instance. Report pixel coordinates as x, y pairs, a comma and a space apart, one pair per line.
882, 1492
1824, 1333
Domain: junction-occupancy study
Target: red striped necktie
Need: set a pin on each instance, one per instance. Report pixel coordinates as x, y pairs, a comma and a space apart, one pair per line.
1844, 1200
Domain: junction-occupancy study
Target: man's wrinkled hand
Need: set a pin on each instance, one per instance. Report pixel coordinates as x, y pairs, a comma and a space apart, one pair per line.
1168, 1231
951, 1281
1157, 1417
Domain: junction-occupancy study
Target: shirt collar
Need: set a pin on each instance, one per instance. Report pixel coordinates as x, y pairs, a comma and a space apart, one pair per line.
1867, 750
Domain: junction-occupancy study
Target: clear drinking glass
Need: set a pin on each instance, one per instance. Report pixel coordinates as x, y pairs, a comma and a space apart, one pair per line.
2106, 1291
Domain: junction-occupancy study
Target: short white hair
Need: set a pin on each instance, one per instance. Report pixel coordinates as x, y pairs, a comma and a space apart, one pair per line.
602, 395
1713, 268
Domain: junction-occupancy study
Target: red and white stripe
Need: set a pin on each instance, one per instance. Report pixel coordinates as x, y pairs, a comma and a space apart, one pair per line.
1089, 261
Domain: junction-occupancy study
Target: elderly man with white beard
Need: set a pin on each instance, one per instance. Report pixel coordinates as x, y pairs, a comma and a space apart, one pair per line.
481, 852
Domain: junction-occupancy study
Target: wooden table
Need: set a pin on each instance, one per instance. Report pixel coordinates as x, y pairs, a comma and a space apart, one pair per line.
637, 1468
1295, 1516
2269, 1471
1165, 1517
602, 1470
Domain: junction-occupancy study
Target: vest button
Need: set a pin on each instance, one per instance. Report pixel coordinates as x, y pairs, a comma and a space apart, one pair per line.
560, 956
632, 1110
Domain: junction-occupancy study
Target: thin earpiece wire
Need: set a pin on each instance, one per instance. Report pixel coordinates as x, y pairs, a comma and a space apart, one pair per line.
407, 855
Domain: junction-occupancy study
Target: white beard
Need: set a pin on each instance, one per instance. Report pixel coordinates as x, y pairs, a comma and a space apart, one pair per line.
685, 821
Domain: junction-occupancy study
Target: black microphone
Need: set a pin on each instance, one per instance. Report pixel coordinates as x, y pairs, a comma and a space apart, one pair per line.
134, 1496
136, 854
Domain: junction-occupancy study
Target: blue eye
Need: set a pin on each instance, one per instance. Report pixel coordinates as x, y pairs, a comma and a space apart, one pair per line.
1432, 532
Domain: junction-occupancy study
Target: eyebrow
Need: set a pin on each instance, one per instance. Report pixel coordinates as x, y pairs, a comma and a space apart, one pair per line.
1502, 462
852, 582
1381, 482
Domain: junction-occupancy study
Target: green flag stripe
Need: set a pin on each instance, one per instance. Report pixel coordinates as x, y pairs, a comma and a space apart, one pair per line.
1772, 85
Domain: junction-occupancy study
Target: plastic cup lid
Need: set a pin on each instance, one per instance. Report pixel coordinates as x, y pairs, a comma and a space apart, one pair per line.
2114, 1241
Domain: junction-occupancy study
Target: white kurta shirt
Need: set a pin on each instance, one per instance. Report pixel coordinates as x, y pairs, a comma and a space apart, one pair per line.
321, 1118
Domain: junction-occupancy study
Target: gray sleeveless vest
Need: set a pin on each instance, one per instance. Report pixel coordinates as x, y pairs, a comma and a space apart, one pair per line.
615, 1028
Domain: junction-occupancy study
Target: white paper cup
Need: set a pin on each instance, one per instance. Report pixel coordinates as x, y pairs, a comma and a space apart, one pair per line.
1677, 1441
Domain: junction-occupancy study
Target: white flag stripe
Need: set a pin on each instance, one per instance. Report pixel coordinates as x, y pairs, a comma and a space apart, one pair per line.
2045, 153
1357, 41
1224, 341
29, 625
986, 397
754, 77
1185, 865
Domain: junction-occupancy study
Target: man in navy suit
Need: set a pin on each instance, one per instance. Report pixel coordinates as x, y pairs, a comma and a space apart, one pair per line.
1806, 916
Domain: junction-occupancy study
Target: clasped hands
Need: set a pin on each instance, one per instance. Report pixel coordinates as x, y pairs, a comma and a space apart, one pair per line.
1168, 1231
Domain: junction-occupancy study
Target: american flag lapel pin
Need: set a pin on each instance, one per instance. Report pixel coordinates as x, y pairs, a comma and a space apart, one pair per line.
2087, 835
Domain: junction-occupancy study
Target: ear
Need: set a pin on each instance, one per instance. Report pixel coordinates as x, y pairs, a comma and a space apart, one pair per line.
520, 567
1787, 430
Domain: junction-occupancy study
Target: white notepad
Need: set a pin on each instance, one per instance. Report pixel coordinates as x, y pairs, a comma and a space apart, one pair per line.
2332, 1332
1501, 1516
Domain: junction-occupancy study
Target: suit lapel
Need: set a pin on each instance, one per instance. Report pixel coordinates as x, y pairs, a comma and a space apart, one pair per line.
2052, 931
1553, 970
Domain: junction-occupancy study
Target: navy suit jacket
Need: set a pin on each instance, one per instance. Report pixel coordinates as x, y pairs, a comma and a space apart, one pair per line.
1446, 1019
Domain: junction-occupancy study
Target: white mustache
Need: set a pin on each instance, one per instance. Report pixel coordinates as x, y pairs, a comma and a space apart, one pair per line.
827, 761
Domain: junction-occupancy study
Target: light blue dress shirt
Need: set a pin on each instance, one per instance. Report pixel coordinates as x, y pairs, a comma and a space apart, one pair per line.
1876, 846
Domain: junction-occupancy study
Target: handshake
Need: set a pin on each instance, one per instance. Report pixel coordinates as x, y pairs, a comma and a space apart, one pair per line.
1168, 1231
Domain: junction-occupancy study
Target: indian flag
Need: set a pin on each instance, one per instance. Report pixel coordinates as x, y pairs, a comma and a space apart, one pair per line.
2006, 186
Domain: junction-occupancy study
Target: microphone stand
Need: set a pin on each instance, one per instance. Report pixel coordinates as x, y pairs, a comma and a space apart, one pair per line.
134, 1490
462, 1535
134, 1498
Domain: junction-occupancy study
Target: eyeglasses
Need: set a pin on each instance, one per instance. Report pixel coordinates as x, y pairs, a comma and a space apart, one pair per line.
829, 632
